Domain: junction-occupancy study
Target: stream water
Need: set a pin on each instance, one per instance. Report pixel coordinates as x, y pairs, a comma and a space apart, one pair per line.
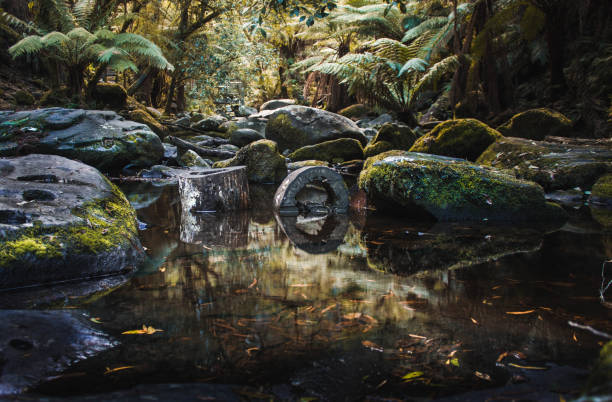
359, 307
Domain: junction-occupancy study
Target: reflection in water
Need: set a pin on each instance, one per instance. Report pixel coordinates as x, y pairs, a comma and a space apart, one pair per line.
313, 308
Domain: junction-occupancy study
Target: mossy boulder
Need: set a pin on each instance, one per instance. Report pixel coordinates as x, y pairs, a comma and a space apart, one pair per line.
110, 94
264, 163
56, 97
102, 139
60, 220
276, 104
601, 192
192, 159
24, 98
335, 151
600, 382
211, 123
356, 111
390, 136
536, 124
461, 138
451, 189
552, 165
307, 163
144, 117
293, 127
244, 136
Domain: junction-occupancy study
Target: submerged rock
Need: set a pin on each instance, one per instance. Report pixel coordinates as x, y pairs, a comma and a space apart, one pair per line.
39, 344
61, 219
452, 190
340, 150
264, 163
552, 165
102, 139
536, 124
390, 136
293, 127
462, 138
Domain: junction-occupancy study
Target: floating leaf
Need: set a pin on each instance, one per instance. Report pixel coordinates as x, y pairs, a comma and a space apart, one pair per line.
527, 367
96, 320
109, 370
144, 331
412, 375
482, 376
520, 312
474, 321
372, 346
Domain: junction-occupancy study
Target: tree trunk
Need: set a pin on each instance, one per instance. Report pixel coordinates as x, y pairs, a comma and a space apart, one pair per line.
554, 38
170, 99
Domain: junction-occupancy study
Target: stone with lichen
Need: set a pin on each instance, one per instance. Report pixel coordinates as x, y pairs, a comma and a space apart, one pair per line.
264, 163
390, 136
335, 151
536, 124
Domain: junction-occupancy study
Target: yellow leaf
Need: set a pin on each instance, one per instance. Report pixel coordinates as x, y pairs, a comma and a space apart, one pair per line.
412, 375
520, 312
527, 367
109, 370
144, 331
455, 362
96, 320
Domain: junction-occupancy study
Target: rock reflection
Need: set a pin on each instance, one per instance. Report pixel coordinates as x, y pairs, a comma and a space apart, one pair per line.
314, 234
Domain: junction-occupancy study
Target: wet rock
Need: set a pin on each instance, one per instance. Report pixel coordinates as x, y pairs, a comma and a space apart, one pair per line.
142, 116
390, 136
570, 198
110, 94
210, 123
600, 382
536, 124
170, 151
102, 139
276, 104
183, 121
601, 193
228, 147
253, 123
289, 199
244, 136
380, 121
35, 345
336, 151
315, 234
192, 159
293, 127
452, 189
61, 219
264, 163
462, 138
355, 111
554, 166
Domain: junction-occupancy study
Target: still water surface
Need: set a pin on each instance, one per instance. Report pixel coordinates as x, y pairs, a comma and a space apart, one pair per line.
348, 308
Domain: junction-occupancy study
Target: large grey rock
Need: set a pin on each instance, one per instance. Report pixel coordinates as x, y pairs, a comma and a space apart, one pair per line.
263, 162
245, 136
295, 126
102, 139
210, 123
276, 104
245, 111
552, 165
452, 189
35, 345
61, 219
253, 123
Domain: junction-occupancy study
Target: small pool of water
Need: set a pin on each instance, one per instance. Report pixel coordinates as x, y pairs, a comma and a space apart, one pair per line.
351, 308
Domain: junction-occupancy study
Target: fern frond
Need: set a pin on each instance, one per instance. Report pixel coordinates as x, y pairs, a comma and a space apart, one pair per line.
427, 25
54, 39
28, 45
83, 9
80, 34
413, 65
444, 67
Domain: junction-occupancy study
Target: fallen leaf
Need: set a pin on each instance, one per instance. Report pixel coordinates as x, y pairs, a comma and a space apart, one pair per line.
144, 331
417, 336
474, 321
96, 320
372, 346
109, 370
326, 309
412, 375
352, 316
527, 367
482, 376
520, 312
253, 283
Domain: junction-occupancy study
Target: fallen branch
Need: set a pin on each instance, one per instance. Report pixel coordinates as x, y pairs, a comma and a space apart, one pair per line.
203, 152
590, 329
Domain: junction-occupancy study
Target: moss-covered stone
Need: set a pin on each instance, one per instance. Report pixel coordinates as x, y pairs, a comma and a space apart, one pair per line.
355, 111
390, 136
336, 151
24, 98
553, 166
142, 116
600, 382
192, 159
452, 189
462, 138
56, 97
602, 191
288, 137
306, 163
536, 124
264, 163
110, 94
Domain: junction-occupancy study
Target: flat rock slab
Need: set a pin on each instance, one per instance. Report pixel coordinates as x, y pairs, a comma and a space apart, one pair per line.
35, 345
287, 200
214, 190
61, 220
97, 137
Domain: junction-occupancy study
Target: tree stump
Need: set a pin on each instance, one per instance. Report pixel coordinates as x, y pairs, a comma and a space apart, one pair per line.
214, 190
298, 192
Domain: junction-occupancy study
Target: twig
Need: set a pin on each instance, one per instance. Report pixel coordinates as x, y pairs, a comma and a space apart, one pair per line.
590, 329
604, 288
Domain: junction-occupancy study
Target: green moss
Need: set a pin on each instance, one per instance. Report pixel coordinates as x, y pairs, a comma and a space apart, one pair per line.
377, 148
336, 151
24, 98
390, 136
602, 189
142, 116
462, 138
264, 163
535, 124
355, 111
106, 224
280, 129
56, 97
110, 94
600, 382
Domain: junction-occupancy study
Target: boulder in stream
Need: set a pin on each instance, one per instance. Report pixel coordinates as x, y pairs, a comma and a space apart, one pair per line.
390, 136
536, 124
264, 163
452, 189
340, 150
62, 220
102, 139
